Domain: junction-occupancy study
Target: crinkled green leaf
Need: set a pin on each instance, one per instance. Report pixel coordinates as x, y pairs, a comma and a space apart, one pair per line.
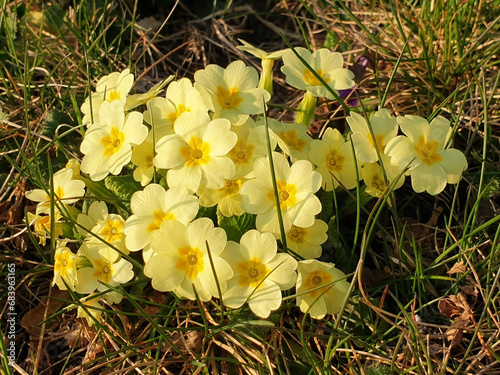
235, 226
123, 187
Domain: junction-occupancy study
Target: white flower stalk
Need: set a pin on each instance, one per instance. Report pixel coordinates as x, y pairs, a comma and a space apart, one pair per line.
296, 186
108, 145
231, 93
431, 165
260, 273
267, 63
197, 154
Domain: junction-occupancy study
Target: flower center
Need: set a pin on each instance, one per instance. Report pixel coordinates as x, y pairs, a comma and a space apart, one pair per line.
103, 270
297, 234
292, 140
316, 279
378, 183
190, 261
112, 231
197, 153
228, 99
114, 95
311, 79
241, 153
158, 218
286, 193
251, 272
58, 195
172, 116
379, 139
427, 151
113, 142
63, 263
334, 161
232, 186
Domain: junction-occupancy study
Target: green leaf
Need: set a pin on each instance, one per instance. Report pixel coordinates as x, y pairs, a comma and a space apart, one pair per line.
10, 25
235, 226
53, 120
123, 187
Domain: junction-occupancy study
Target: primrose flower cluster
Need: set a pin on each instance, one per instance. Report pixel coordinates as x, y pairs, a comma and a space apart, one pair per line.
208, 143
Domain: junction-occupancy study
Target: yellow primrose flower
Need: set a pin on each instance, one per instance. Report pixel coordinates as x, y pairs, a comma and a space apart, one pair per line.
97, 212
231, 93
93, 307
320, 300
227, 199
162, 113
384, 127
327, 64
296, 187
260, 273
107, 267
65, 263
334, 159
42, 226
267, 63
111, 88
373, 176
197, 154
307, 241
142, 157
66, 191
74, 164
250, 146
181, 262
431, 166
153, 206
110, 230
134, 101
108, 145
292, 138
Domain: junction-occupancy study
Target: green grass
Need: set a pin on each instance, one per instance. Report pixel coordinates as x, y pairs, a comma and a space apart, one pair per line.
426, 58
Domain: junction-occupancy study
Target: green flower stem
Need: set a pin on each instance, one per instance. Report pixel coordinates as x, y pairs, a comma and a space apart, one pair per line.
306, 109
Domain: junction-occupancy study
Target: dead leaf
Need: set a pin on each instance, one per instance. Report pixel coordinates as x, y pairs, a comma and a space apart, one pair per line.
435, 349
449, 308
189, 343
457, 268
47, 307
454, 334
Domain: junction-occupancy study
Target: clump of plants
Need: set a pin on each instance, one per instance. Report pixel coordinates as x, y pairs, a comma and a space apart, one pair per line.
201, 193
